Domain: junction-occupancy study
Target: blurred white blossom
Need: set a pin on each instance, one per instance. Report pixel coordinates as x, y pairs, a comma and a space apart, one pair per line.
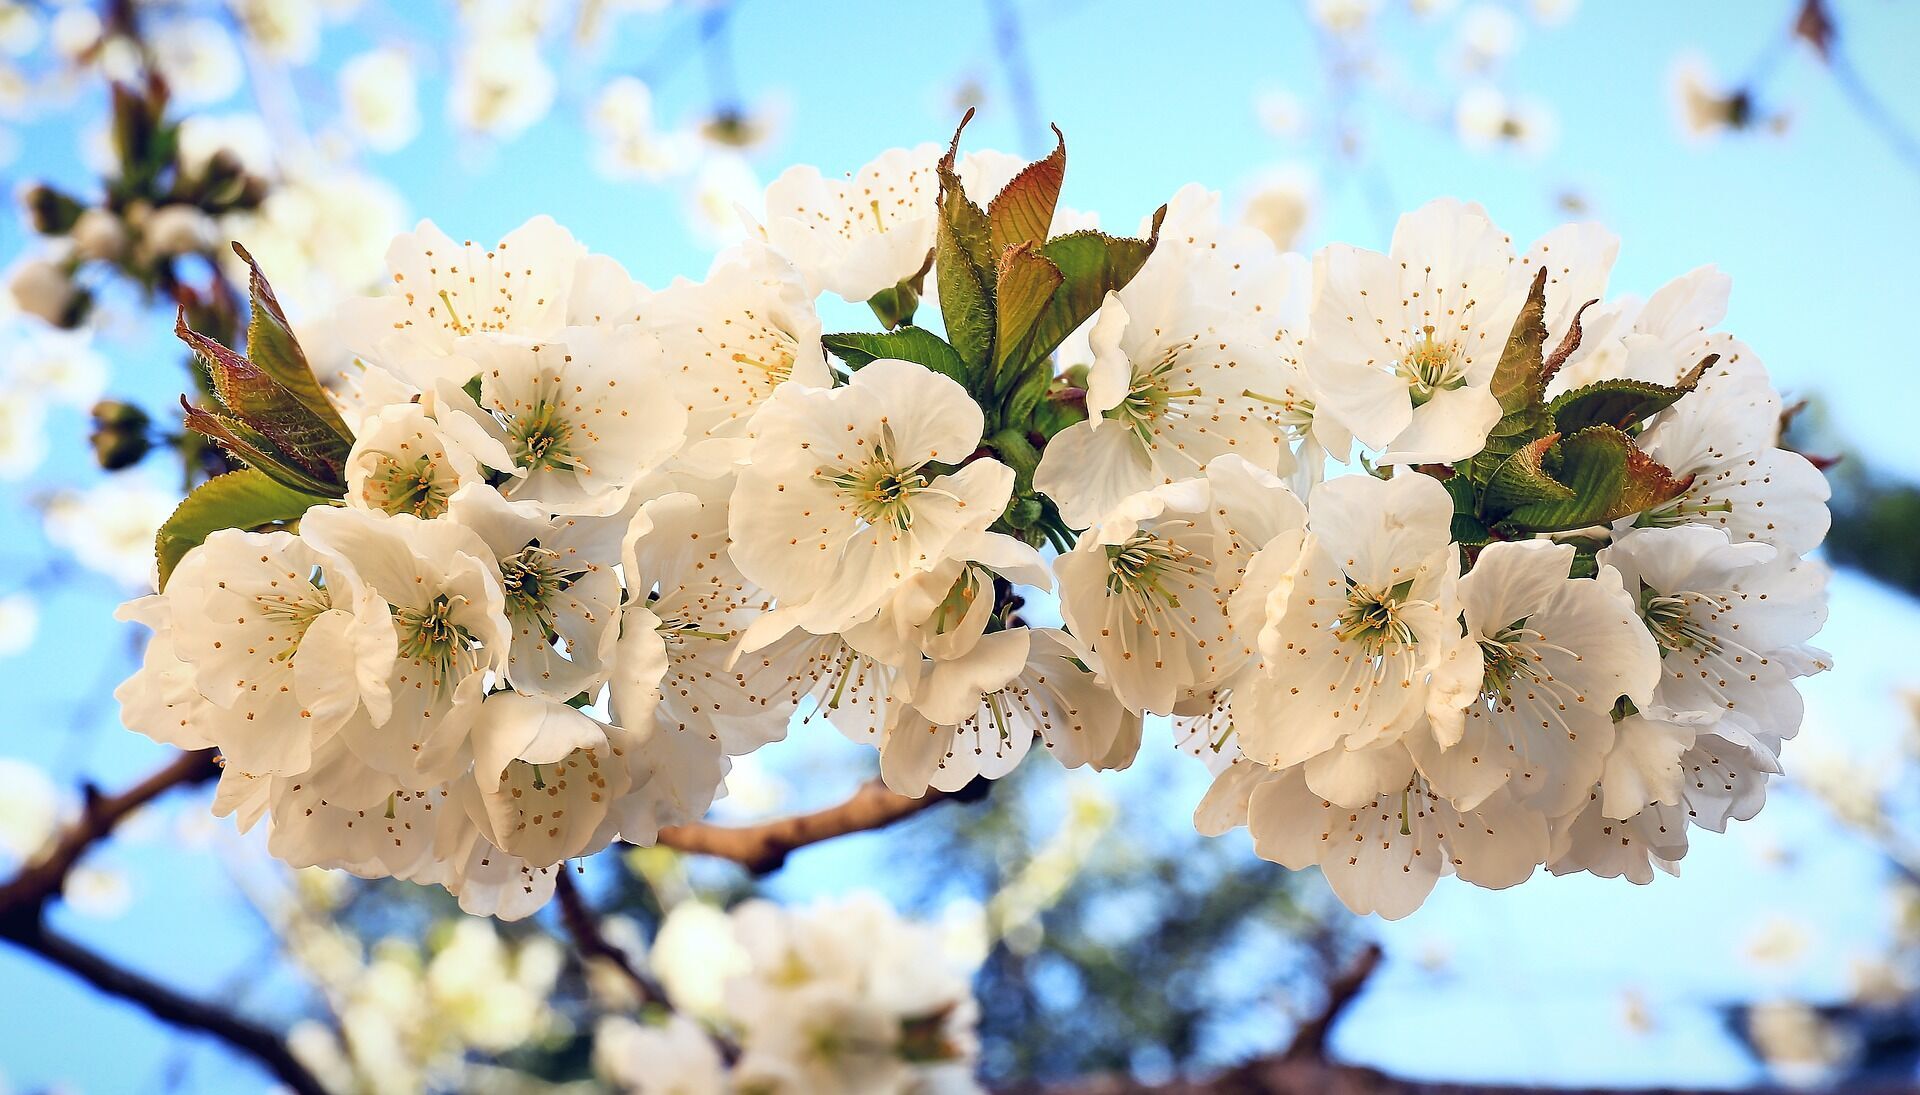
379, 99
109, 526
19, 623
199, 59
29, 810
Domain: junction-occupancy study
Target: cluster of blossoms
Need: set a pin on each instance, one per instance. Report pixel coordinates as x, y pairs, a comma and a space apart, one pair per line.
541, 548
843, 996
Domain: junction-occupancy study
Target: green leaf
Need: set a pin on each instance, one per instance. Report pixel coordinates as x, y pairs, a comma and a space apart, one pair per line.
1026, 280
245, 499
1608, 478
1517, 381
1617, 403
1522, 480
964, 260
1621, 403
1091, 265
273, 349
1023, 210
909, 343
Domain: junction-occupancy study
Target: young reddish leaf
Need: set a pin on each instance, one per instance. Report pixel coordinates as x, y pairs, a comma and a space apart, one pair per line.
1609, 478
1091, 265
1027, 281
272, 347
1517, 380
263, 452
1568, 344
1023, 211
1522, 480
256, 398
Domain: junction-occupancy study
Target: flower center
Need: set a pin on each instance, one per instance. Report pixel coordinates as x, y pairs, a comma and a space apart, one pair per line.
541, 438
1373, 618
414, 487
1291, 415
880, 489
1152, 396
532, 578
777, 364
1140, 568
296, 611
431, 637
1430, 366
1670, 618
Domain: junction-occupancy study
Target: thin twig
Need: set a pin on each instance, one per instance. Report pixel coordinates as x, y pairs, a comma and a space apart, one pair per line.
27, 893
584, 926
763, 848
1310, 1041
165, 1003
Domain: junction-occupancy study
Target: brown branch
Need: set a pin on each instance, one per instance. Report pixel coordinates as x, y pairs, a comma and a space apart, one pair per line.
27, 893
24, 899
1310, 1041
763, 848
588, 940
166, 1004
1278, 1076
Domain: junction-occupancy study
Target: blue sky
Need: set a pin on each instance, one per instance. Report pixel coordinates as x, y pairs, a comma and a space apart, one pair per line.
1817, 228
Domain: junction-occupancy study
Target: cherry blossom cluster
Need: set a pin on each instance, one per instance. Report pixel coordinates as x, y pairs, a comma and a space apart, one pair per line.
843, 996
1443, 561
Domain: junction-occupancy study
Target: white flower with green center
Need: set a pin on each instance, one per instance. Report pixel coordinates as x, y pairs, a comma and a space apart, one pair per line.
1732, 623
1262, 296
1148, 589
1383, 855
403, 462
449, 621
852, 491
1361, 639
547, 774
858, 235
1404, 344
1557, 653
562, 594
284, 645
1173, 385
978, 714
842, 996
441, 292
731, 339
581, 417
1725, 436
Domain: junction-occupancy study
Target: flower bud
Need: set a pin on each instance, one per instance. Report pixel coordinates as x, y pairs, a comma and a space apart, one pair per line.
99, 235
52, 212
45, 288
177, 230
120, 434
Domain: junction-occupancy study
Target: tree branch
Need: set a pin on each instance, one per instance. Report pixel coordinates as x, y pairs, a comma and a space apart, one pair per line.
24, 899
167, 1005
1310, 1041
588, 940
763, 848
27, 893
